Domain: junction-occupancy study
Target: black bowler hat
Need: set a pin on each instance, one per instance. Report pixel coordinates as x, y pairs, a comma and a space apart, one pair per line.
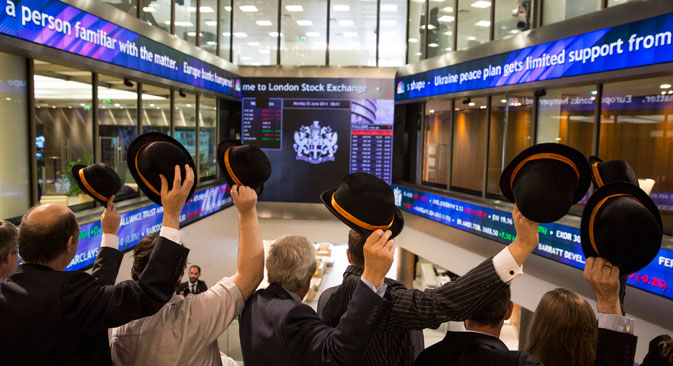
98, 181
365, 203
154, 153
545, 180
244, 165
622, 224
604, 172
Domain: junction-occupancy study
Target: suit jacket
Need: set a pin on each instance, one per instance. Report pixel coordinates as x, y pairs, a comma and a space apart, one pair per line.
200, 287
106, 266
61, 317
275, 329
414, 309
470, 348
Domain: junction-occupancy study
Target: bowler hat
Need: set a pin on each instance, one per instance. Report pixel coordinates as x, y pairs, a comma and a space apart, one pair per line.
154, 153
243, 165
622, 224
365, 203
545, 180
98, 181
604, 172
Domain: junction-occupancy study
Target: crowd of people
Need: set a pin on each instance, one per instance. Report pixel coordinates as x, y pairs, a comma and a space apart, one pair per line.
58, 317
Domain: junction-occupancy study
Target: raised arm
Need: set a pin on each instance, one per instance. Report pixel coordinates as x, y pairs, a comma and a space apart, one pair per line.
250, 265
109, 258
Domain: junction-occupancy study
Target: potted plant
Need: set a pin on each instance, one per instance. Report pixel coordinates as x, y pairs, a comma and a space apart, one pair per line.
73, 188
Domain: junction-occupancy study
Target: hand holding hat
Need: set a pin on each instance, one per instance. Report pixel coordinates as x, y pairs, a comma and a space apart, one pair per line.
174, 199
98, 181
243, 165
110, 219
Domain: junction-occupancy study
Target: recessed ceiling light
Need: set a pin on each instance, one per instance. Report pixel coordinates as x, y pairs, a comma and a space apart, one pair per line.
240, 34
264, 23
514, 31
206, 9
431, 26
294, 8
448, 33
211, 23
594, 92
448, 49
413, 40
481, 4
345, 22
388, 7
665, 86
503, 100
433, 45
191, 34
248, 8
471, 38
304, 22
227, 8
274, 34
341, 7
471, 104
483, 23
312, 34
226, 34
446, 18
419, 54
183, 24
149, 9
448, 9
211, 43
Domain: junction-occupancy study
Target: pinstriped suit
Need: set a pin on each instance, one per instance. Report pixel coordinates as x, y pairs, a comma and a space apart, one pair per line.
415, 309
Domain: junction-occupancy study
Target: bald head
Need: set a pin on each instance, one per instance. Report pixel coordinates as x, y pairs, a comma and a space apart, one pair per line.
45, 232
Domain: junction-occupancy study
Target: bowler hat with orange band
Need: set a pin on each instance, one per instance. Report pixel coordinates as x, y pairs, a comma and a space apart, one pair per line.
604, 172
365, 203
622, 224
245, 165
154, 153
545, 180
98, 181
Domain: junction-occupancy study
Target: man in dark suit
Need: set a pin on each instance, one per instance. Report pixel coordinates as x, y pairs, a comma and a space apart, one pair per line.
194, 285
277, 329
61, 318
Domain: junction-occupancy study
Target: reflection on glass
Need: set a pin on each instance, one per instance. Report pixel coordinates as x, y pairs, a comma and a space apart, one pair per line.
469, 145
157, 13
617, 2
511, 132
474, 22
185, 122
63, 120
117, 127
127, 6
392, 33
637, 126
512, 17
185, 20
255, 32
555, 11
208, 32
225, 29
437, 149
416, 40
156, 110
207, 138
304, 38
440, 27
353, 33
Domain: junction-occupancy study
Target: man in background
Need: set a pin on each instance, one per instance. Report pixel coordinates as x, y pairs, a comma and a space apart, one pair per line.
194, 285
9, 255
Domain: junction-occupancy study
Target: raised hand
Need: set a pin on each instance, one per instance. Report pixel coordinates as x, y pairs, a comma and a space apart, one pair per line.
603, 277
110, 219
378, 252
245, 198
173, 200
526, 237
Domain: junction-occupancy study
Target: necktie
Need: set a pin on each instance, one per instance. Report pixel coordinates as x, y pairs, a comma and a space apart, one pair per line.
193, 288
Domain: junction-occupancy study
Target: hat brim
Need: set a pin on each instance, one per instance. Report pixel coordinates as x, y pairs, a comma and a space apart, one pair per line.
575, 156
395, 228
599, 195
221, 149
134, 149
75, 173
593, 159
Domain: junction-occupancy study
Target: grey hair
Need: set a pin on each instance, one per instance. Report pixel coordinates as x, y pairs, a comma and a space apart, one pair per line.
291, 262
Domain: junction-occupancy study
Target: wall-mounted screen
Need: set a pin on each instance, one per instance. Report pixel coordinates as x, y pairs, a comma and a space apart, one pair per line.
558, 242
316, 131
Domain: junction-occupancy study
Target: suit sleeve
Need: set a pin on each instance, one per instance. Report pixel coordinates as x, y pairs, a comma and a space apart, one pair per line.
106, 266
456, 300
92, 308
345, 344
615, 348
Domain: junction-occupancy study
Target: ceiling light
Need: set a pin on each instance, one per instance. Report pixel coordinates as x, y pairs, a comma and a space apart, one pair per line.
211, 43
182, 24
264, 23
471, 38
253, 44
240, 34
670, 92
151, 104
191, 34
419, 54
388, 7
514, 31
481, 4
252, 8
433, 45
503, 100
665, 86
189, 105
594, 92
448, 49
483, 23
345, 22
432, 111
227, 8
448, 33
413, 40
471, 104
275, 34
211, 23
448, 9
388, 22
149, 9
446, 18
226, 34
431, 26
341, 7
304, 22
312, 34
206, 9
294, 8
350, 34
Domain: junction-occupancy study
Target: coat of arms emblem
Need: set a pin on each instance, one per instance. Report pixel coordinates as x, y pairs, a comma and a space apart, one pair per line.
315, 144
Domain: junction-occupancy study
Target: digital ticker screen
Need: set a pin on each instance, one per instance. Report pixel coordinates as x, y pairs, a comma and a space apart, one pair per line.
317, 130
557, 242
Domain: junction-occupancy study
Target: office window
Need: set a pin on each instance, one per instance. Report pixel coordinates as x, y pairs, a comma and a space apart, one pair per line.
185, 122
156, 109
255, 32
127, 6
117, 127
637, 126
557, 10
353, 33
512, 17
437, 139
207, 138
441, 27
511, 132
14, 171
474, 22
157, 13
469, 145
225, 29
208, 31
392, 33
185, 20
64, 131
416, 37
304, 30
